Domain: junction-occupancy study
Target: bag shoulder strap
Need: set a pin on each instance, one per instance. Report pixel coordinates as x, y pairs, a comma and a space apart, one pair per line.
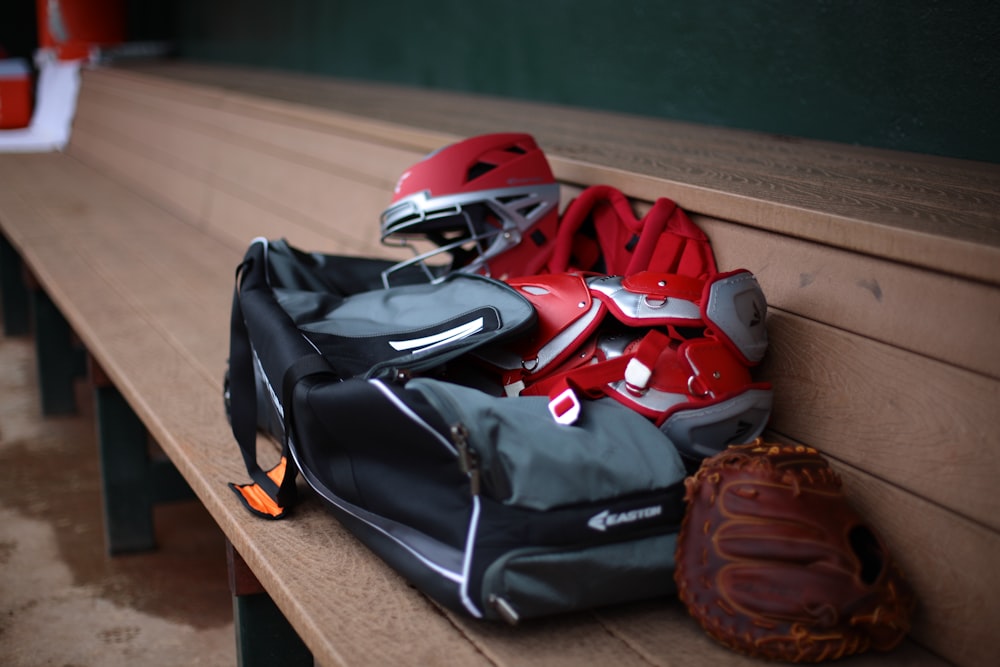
271, 493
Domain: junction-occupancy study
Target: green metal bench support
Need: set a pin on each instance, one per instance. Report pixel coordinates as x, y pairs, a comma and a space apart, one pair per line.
264, 636
60, 361
132, 480
26, 309
13, 291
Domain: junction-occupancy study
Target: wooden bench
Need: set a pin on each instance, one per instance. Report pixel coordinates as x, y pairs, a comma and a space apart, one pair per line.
882, 271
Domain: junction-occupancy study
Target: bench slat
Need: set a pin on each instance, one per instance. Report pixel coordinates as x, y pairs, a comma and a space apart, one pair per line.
869, 296
242, 218
239, 158
938, 551
157, 125
920, 424
662, 633
918, 217
184, 193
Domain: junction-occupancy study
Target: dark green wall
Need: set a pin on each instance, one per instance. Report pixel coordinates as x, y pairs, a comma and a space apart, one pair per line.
920, 76
18, 28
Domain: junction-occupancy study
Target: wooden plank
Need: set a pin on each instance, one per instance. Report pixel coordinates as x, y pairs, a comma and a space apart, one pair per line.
939, 551
60, 191
258, 123
666, 636
193, 317
348, 208
241, 219
702, 143
149, 130
190, 132
184, 102
936, 213
915, 422
579, 639
366, 114
325, 143
308, 155
936, 315
174, 187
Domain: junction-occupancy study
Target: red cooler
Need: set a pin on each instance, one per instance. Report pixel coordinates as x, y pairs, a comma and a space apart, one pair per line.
15, 93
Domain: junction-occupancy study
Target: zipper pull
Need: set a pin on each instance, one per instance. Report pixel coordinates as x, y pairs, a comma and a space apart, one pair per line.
505, 609
467, 459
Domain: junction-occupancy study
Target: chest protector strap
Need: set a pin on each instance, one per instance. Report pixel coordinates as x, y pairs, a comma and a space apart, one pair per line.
599, 232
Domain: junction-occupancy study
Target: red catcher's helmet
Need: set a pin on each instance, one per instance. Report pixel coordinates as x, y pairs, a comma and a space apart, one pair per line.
489, 204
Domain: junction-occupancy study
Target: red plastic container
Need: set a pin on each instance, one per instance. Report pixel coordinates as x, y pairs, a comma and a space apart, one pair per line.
72, 28
15, 93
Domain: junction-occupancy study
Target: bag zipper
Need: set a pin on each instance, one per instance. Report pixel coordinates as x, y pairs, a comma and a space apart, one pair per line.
468, 460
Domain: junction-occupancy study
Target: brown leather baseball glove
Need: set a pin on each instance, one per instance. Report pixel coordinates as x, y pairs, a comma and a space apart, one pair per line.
774, 563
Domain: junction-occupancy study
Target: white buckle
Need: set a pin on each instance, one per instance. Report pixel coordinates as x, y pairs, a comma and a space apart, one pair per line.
514, 388
565, 407
637, 375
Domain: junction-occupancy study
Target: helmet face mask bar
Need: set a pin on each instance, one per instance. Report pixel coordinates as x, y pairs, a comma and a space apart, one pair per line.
469, 203
469, 229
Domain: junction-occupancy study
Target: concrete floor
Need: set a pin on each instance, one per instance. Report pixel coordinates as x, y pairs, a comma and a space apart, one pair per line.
63, 601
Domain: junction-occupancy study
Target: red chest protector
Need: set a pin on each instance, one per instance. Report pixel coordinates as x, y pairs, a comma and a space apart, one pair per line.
675, 348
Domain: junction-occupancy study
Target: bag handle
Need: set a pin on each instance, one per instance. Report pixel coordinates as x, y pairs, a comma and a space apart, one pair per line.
271, 493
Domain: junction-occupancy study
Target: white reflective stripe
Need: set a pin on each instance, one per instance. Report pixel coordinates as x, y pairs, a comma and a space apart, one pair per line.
429, 342
320, 488
267, 245
413, 416
567, 415
348, 508
470, 545
275, 401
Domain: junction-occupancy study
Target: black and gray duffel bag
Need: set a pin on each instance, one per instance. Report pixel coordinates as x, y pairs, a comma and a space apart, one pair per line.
483, 502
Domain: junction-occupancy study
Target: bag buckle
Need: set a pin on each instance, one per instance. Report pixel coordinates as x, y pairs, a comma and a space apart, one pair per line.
565, 407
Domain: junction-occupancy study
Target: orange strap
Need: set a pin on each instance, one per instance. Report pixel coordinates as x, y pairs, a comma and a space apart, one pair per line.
259, 500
